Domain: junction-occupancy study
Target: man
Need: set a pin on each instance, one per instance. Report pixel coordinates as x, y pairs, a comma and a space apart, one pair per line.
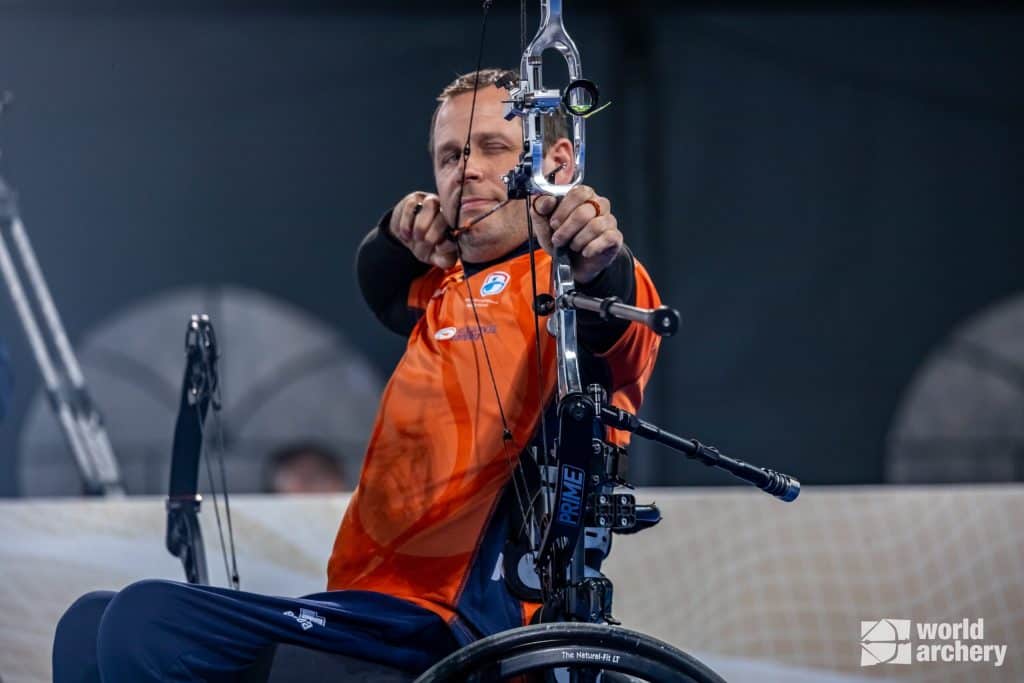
415, 570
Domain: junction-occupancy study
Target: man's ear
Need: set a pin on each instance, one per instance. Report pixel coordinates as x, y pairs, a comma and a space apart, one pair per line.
561, 154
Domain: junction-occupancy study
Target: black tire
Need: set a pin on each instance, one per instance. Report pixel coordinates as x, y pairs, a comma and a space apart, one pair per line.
576, 646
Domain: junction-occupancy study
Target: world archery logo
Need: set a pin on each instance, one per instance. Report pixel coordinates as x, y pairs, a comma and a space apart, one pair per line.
494, 283
886, 641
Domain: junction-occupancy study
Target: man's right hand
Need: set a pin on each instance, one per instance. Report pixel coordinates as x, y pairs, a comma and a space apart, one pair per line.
416, 222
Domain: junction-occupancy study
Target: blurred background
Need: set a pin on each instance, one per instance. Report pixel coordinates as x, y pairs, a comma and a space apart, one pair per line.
831, 200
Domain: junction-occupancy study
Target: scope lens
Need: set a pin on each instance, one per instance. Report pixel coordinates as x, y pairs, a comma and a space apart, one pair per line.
580, 97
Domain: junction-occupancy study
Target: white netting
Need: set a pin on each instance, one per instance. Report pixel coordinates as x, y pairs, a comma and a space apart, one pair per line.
754, 584
739, 574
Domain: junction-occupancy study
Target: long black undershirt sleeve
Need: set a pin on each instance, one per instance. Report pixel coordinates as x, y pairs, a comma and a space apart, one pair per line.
385, 269
618, 279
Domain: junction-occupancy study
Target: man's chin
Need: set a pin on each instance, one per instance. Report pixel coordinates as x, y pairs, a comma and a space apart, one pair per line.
486, 229
476, 236
479, 237
486, 241
468, 217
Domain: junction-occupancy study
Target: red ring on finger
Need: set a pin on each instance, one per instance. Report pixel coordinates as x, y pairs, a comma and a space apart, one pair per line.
595, 204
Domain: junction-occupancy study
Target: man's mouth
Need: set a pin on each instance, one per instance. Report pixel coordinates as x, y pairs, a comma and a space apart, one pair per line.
478, 203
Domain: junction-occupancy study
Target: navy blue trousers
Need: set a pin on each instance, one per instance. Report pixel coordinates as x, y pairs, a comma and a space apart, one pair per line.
169, 631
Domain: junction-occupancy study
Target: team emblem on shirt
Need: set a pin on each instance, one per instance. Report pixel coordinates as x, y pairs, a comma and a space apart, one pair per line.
445, 333
494, 283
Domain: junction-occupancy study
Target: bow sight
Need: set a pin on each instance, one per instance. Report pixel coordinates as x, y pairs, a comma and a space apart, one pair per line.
531, 101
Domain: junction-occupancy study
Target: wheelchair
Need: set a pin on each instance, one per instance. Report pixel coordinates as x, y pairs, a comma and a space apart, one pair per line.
574, 638
543, 653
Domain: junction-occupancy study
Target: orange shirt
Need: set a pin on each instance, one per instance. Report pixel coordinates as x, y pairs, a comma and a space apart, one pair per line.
436, 464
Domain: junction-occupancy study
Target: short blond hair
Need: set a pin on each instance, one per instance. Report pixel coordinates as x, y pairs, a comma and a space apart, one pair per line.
468, 82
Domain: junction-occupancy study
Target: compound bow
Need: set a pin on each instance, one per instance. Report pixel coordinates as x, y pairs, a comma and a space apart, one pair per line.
582, 469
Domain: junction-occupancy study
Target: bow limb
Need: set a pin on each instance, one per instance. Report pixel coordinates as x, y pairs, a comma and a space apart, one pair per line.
184, 534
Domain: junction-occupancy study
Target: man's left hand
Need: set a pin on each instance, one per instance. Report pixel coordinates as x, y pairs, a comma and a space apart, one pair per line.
584, 222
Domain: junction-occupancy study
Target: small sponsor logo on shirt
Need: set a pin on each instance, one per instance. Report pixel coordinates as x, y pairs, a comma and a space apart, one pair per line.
494, 283
465, 334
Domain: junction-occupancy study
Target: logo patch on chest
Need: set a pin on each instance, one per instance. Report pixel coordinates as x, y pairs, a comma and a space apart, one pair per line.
494, 283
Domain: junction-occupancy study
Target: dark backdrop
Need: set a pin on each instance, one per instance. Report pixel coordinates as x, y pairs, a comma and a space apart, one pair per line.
823, 197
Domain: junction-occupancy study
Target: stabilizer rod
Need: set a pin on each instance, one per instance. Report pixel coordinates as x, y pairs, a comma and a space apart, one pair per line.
663, 320
782, 486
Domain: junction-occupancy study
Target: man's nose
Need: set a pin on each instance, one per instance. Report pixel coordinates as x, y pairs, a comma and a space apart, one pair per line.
474, 170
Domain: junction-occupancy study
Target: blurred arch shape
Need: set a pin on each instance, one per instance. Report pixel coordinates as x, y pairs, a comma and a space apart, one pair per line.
961, 418
285, 376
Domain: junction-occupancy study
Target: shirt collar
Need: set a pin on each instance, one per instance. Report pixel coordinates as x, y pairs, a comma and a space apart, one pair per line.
473, 268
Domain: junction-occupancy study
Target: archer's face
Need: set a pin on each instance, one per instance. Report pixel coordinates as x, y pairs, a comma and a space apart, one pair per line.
494, 151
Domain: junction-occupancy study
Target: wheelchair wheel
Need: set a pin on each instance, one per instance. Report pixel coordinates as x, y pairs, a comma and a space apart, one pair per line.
570, 652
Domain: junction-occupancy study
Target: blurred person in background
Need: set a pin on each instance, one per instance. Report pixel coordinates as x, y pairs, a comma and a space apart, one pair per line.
306, 467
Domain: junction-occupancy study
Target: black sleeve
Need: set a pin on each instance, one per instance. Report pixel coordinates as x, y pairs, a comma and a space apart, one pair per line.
618, 279
385, 268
